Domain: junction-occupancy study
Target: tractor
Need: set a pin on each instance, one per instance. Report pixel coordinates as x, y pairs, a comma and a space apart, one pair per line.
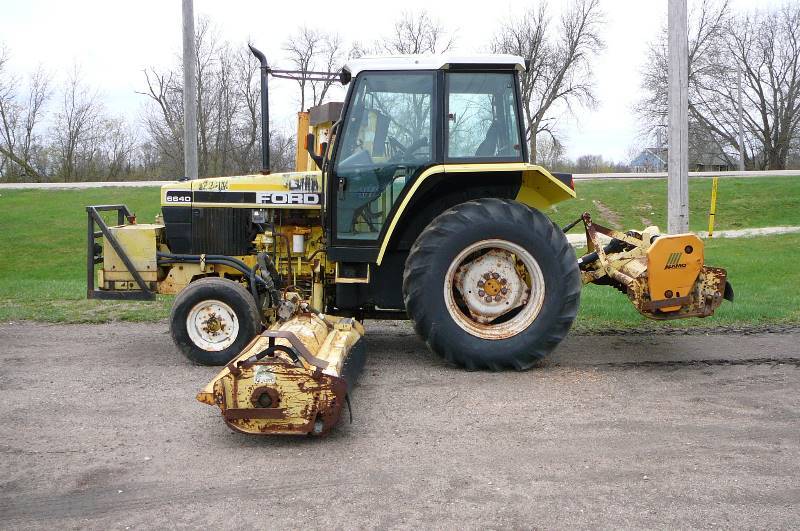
413, 199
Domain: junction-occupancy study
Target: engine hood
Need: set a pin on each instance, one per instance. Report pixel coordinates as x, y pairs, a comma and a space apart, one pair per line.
276, 190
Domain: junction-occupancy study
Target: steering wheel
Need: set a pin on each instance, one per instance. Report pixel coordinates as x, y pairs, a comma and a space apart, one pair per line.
405, 151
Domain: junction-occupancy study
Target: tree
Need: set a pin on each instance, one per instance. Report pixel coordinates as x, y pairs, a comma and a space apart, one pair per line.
766, 46
228, 113
20, 145
559, 60
415, 32
313, 50
75, 133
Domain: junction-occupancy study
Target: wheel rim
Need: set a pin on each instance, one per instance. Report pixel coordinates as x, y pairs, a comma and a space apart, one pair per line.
494, 289
212, 325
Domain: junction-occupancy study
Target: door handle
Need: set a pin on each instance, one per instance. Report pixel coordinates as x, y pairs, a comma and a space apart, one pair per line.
341, 185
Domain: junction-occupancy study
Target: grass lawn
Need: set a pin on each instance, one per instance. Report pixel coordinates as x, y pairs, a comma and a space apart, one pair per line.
43, 255
42, 250
741, 203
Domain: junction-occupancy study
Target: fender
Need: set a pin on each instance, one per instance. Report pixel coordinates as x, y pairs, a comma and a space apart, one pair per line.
538, 189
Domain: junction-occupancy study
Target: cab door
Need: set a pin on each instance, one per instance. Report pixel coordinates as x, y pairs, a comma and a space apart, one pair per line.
387, 139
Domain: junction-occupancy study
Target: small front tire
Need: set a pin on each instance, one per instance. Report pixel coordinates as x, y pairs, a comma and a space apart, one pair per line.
213, 319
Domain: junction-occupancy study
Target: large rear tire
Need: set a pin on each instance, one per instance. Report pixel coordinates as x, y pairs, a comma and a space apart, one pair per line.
213, 319
492, 284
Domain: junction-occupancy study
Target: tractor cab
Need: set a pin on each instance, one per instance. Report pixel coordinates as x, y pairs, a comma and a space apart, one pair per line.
403, 117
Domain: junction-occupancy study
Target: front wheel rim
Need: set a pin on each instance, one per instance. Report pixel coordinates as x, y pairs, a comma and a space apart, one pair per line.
212, 325
466, 299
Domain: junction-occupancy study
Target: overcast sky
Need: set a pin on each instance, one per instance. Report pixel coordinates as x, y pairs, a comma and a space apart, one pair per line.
113, 40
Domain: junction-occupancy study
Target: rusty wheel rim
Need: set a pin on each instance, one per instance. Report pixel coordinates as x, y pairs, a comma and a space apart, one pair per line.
212, 325
494, 289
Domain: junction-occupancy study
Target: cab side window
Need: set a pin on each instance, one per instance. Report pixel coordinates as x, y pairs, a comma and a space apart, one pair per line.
482, 121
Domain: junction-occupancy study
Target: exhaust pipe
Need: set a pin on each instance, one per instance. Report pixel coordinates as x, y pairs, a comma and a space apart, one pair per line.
264, 109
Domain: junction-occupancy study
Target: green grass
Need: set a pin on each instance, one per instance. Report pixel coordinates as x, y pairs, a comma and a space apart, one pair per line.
43, 255
741, 203
42, 251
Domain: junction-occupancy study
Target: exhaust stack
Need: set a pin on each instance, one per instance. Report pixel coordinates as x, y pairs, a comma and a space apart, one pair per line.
264, 108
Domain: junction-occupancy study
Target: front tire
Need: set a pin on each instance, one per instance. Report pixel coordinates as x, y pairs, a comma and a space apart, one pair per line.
492, 284
213, 319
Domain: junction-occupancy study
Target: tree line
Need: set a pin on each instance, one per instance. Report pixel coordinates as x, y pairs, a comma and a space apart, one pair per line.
66, 133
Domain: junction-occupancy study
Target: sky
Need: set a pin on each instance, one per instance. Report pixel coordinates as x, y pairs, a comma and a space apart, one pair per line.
112, 41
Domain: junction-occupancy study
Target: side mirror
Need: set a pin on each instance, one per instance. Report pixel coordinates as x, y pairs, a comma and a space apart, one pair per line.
310, 142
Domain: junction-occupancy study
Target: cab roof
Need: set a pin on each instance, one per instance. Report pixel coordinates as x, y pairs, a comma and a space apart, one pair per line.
432, 62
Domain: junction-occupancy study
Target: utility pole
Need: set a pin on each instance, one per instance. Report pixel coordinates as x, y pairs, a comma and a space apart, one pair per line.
189, 93
678, 85
741, 115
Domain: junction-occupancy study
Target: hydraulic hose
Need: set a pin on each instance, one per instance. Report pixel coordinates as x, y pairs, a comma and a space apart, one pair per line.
235, 263
269, 273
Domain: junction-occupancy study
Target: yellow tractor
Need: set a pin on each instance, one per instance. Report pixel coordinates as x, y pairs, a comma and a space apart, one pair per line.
422, 207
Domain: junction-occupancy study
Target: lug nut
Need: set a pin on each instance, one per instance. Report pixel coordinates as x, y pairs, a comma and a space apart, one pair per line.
481, 283
486, 276
504, 290
497, 298
495, 275
488, 299
481, 293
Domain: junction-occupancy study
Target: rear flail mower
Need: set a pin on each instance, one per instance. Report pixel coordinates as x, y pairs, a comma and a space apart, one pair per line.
413, 200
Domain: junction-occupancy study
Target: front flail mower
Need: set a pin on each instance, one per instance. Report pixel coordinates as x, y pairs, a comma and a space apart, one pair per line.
294, 378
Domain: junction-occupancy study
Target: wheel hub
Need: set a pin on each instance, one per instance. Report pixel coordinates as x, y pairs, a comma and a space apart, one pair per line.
491, 285
212, 325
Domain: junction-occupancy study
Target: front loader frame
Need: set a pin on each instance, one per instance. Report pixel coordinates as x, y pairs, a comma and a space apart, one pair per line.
94, 254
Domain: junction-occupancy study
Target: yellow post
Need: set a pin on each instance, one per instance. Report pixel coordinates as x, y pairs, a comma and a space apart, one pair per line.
301, 155
713, 212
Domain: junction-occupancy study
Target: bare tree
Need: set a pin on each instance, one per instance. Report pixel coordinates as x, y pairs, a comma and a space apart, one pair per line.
559, 61
766, 46
415, 32
75, 133
418, 33
313, 50
163, 120
228, 113
117, 148
19, 118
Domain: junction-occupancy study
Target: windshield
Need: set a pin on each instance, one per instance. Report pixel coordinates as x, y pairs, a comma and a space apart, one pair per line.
385, 143
389, 120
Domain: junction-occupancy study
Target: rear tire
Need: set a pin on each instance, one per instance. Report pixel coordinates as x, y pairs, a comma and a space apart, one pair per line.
213, 319
466, 265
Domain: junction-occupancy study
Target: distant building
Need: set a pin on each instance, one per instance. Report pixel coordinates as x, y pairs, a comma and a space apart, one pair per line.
653, 160
712, 162
650, 160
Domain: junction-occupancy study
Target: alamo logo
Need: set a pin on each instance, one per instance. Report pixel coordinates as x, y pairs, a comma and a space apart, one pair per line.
673, 261
287, 198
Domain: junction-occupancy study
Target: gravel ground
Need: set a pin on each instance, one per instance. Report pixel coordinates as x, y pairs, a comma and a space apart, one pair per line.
99, 428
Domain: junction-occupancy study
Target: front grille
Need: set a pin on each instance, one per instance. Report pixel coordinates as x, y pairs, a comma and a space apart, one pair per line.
221, 231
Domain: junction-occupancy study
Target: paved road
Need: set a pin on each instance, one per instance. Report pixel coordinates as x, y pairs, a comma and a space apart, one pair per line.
99, 429
576, 176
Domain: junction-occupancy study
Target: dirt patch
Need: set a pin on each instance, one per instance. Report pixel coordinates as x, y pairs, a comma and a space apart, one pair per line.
101, 430
610, 216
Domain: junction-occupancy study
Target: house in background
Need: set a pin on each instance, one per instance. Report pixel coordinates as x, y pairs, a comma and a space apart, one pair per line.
650, 160
711, 161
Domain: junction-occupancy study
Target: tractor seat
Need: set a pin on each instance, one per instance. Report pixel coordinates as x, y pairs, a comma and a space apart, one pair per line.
488, 147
